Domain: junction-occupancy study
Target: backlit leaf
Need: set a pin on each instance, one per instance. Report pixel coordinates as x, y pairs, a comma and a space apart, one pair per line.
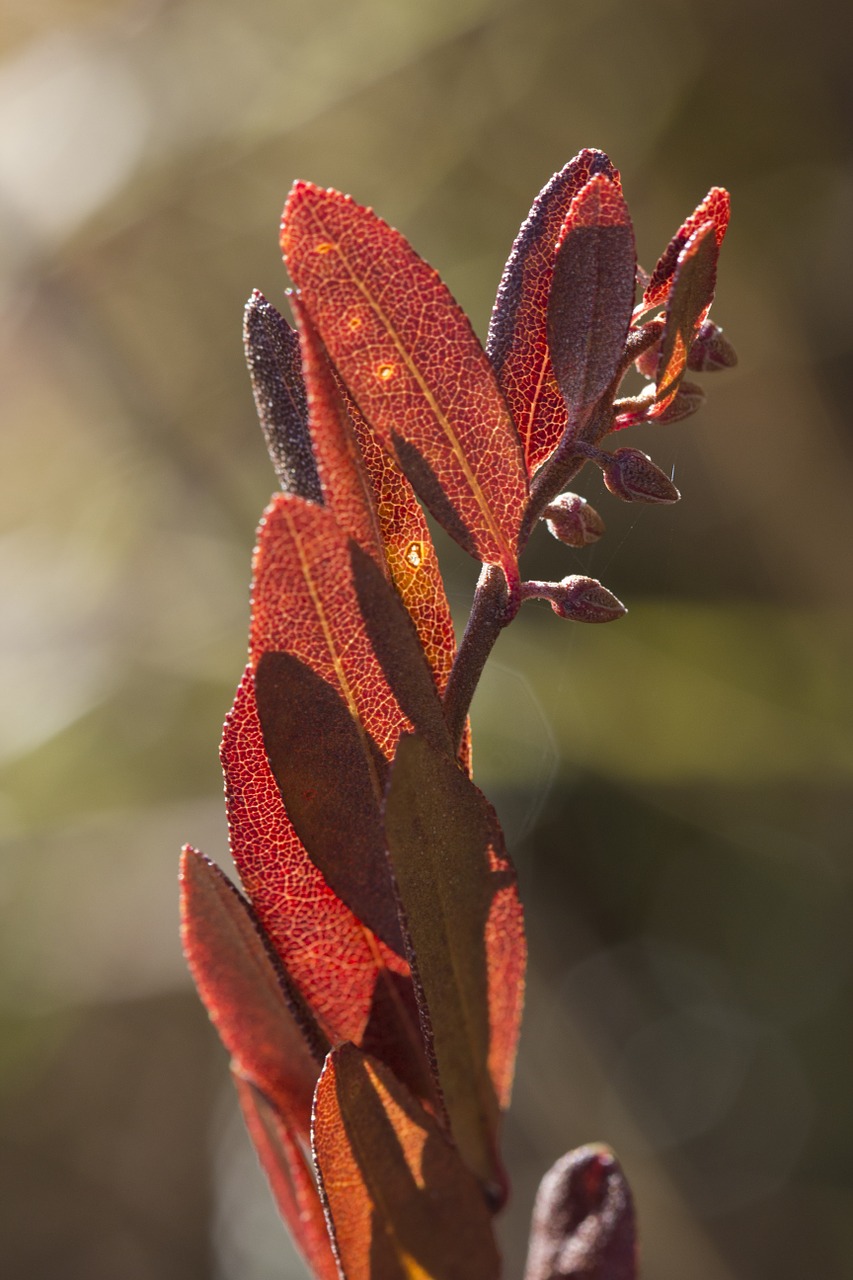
402, 1204
465, 938
715, 208
340, 674
413, 364
272, 354
518, 332
592, 295
291, 1179
346, 486
690, 297
583, 1221
357, 987
245, 991
310, 592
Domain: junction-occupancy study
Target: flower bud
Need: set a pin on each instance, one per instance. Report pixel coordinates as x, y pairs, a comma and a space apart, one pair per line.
689, 399
646, 362
579, 598
573, 521
632, 476
711, 350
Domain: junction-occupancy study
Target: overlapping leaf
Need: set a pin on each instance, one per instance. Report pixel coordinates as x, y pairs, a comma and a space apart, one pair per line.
690, 297
339, 675
373, 501
518, 332
592, 295
715, 208
291, 1178
358, 988
465, 941
401, 1202
346, 485
256, 1012
409, 356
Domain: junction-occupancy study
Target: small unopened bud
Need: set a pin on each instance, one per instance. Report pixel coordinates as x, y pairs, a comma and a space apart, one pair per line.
689, 399
579, 598
648, 339
632, 476
711, 350
573, 521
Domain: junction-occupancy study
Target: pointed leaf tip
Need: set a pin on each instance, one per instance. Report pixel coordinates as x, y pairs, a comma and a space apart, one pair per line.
592, 295
518, 331
400, 341
259, 1017
714, 208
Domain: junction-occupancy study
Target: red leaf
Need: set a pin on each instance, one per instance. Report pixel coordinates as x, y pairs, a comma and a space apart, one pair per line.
305, 601
242, 985
357, 987
592, 295
465, 940
715, 208
347, 489
690, 297
272, 354
583, 1221
518, 333
401, 1203
291, 1179
373, 501
409, 356
409, 550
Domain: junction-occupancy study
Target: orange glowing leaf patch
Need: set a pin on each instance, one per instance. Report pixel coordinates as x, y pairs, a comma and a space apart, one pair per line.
518, 332
272, 354
306, 601
465, 941
339, 675
690, 297
715, 208
413, 364
583, 1220
346, 486
258, 1016
592, 295
356, 986
291, 1179
401, 1202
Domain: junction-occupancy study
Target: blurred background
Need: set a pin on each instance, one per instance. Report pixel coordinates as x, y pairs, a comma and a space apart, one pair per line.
676, 789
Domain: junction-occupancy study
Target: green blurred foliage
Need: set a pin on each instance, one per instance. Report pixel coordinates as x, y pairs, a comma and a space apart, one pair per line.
676, 789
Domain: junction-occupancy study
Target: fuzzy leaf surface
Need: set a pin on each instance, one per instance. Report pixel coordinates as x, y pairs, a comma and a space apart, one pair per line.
465, 941
715, 208
358, 988
291, 1179
583, 1220
272, 354
413, 364
690, 297
246, 992
402, 1204
592, 294
518, 331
